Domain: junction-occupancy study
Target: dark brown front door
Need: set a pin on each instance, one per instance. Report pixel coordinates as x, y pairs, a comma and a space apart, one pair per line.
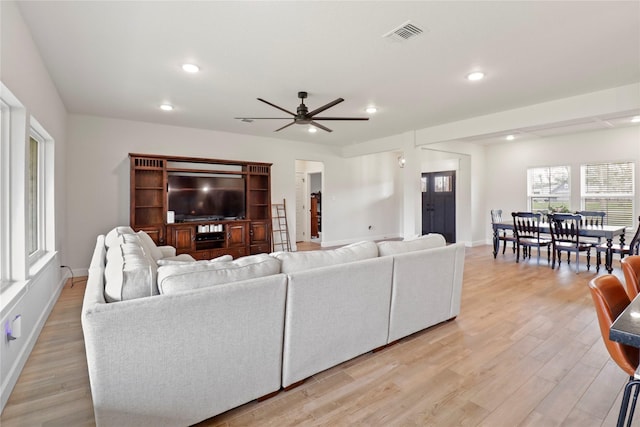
439, 204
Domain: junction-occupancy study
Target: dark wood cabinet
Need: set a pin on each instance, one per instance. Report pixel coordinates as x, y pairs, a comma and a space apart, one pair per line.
182, 237
148, 196
207, 240
238, 237
259, 237
236, 234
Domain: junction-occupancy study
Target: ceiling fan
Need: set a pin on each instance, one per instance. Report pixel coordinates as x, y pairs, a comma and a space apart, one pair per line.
303, 116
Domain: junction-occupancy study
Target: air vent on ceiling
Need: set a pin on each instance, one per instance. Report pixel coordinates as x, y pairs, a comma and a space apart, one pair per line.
404, 32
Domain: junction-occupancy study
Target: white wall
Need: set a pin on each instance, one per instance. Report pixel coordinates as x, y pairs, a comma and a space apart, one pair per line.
507, 164
24, 74
361, 190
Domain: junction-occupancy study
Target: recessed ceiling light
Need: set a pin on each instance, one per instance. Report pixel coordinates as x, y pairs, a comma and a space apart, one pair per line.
371, 109
190, 68
510, 138
312, 129
636, 119
166, 107
476, 75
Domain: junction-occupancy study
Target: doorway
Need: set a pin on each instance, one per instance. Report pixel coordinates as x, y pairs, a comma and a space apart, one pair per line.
439, 204
309, 183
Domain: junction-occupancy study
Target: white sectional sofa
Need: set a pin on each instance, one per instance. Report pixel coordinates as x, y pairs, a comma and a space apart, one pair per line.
171, 341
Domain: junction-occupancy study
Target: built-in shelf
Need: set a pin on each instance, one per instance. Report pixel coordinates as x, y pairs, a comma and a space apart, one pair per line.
149, 205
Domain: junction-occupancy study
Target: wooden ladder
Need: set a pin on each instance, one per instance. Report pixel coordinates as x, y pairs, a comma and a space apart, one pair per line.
280, 227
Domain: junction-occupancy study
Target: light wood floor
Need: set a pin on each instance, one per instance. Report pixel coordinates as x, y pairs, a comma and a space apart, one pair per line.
525, 350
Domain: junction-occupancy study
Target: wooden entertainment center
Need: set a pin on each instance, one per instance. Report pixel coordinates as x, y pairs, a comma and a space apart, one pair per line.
206, 237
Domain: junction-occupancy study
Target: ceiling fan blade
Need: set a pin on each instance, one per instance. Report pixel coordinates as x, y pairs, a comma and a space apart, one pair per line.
318, 125
275, 106
324, 107
341, 118
263, 118
285, 126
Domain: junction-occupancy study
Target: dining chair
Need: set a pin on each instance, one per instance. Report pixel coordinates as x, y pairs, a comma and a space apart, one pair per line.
633, 248
610, 299
526, 227
507, 235
631, 269
565, 237
592, 219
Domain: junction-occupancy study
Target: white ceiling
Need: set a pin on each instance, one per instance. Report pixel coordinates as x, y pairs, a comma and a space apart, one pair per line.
123, 59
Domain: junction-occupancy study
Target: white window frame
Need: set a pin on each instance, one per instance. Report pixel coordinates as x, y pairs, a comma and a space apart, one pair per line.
5, 181
619, 194
531, 194
45, 223
39, 229
16, 266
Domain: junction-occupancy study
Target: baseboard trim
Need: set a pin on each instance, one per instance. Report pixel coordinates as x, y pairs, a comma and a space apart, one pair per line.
14, 373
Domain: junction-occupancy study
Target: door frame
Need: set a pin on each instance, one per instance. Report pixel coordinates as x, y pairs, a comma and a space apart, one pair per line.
308, 167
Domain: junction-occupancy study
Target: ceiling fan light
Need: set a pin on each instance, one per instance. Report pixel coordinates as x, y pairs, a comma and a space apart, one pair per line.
190, 68
475, 76
636, 119
510, 137
371, 109
312, 129
166, 107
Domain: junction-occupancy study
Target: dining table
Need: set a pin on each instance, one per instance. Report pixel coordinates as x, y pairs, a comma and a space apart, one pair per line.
626, 330
608, 232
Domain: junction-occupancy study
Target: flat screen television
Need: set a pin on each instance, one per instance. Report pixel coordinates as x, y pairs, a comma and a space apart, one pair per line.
203, 196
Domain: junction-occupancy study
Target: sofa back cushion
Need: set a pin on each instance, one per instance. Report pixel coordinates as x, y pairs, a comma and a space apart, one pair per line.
428, 241
113, 237
176, 278
149, 245
129, 273
300, 261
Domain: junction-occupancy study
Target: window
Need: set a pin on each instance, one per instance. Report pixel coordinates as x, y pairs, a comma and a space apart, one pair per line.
35, 200
4, 191
609, 187
39, 187
549, 188
442, 184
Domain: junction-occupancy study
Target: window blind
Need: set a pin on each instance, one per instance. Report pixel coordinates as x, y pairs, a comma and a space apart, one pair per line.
609, 187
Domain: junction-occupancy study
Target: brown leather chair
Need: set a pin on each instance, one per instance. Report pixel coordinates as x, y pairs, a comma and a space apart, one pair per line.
631, 269
610, 300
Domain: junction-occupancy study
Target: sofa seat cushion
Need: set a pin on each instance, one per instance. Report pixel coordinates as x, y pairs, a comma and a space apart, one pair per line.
129, 273
176, 278
301, 261
428, 241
